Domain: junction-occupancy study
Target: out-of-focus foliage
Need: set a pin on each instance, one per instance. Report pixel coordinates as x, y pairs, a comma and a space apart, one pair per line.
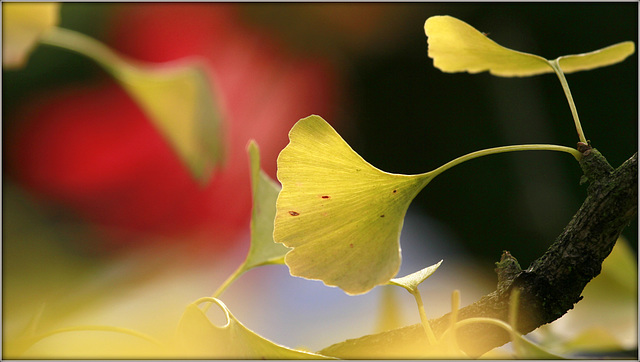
176, 97
90, 150
23, 25
197, 337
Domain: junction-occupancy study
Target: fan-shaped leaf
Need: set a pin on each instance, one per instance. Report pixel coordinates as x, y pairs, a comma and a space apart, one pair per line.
341, 215
177, 97
598, 58
456, 46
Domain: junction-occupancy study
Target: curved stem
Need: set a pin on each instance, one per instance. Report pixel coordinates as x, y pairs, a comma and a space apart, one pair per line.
491, 151
85, 45
423, 317
241, 269
567, 92
97, 329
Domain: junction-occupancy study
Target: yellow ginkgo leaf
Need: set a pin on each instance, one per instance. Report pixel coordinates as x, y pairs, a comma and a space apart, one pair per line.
179, 100
197, 337
599, 58
341, 215
410, 282
456, 46
22, 26
177, 97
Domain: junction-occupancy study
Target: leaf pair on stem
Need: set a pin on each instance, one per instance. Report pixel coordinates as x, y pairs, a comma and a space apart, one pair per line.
341, 215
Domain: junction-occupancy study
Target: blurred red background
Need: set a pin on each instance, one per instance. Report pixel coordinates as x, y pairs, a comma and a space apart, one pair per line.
90, 148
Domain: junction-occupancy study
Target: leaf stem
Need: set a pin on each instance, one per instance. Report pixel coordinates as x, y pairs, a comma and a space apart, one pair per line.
565, 86
423, 317
236, 274
502, 149
85, 45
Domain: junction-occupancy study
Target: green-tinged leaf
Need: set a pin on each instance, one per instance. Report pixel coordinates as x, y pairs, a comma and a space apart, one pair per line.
341, 215
599, 58
263, 249
197, 337
179, 100
595, 340
411, 281
22, 26
176, 96
456, 46
529, 350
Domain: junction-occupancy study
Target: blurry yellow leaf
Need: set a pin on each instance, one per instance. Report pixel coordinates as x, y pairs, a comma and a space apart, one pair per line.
22, 26
411, 281
179, 100
197, 337
177, 97
341, 215
595, 339
456, 46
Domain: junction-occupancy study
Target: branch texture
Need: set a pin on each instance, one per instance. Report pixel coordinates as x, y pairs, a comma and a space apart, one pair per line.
548, 288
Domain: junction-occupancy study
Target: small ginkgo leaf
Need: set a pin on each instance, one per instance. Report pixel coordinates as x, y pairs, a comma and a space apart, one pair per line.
177, 97
341, 215
598, 58
263, 249
411, 281
22, 26
197, 337
456, 46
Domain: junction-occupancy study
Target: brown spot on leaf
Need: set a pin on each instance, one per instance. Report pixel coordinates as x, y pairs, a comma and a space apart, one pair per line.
326, 197
293, 213
351, 245
394, 191
382, 215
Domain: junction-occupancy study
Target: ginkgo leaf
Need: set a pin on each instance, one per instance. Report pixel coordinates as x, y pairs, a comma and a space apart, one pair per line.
179, 99
22, 26
599, 58
197, 337
341, 215
456, 46
411, 281
263, 249
176, 96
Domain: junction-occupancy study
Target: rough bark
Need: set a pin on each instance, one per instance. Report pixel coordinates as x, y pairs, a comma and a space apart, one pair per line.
548, 288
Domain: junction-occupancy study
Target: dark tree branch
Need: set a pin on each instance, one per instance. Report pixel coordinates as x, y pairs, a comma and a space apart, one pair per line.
548, 288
